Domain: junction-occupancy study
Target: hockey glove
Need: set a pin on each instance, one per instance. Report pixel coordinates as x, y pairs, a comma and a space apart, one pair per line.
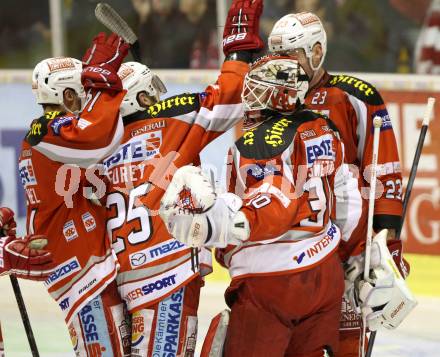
102, 61
241, 31
196, 216
385, 300
7, 222
25, 257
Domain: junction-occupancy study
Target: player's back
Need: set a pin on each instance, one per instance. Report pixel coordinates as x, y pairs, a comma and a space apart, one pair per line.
153, 146
58, 207
168, 135
351, 104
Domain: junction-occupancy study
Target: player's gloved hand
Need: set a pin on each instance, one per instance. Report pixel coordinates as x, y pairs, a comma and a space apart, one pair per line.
7, 222
213, 228
196, 216
384, 300
241, 31
395, 248
25, 257
102, 61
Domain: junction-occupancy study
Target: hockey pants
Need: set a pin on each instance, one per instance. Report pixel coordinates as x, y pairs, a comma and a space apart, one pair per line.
292, 315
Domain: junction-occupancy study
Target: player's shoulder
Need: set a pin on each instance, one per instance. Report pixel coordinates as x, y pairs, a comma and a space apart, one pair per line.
277, 133
312, 124
40, 127
177, 105
356, 87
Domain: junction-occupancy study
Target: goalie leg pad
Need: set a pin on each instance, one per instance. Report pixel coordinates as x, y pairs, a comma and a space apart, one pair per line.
213, 344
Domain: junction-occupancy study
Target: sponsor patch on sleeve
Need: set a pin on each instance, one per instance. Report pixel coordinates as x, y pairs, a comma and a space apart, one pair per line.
386, 120
58, 123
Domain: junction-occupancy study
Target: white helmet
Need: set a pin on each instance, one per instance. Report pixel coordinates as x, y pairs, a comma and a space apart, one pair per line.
137, 77
275, 82
302, 30
53, 75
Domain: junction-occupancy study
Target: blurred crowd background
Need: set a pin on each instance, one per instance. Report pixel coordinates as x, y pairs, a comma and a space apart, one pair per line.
363, 35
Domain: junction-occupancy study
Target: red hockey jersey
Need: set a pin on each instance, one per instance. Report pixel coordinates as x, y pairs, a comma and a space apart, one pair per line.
290, 172
55, 155
352, 104
156, 142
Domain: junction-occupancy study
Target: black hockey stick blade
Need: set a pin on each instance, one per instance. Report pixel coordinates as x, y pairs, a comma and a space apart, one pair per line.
115, 23
24, 316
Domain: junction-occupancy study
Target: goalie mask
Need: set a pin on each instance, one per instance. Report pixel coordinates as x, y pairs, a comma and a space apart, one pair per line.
275, 82
137, 78
294, 31
53, 75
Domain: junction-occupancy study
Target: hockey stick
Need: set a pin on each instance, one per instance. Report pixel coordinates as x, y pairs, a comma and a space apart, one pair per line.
377, 123
24, 316
412, 177
2, 346
115, 23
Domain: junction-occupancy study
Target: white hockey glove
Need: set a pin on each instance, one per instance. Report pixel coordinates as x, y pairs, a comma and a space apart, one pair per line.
196, 216
386, 300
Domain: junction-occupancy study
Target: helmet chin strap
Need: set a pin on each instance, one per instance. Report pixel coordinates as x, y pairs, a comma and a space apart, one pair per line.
315, 70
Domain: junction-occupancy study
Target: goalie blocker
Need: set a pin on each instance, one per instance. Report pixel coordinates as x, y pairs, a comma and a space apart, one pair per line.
386, 300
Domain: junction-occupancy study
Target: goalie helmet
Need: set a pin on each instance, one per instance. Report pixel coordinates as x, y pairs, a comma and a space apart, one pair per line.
275, 82
53, 75
136, 78
301, 30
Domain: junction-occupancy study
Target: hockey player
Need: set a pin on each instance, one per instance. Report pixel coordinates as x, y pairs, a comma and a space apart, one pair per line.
351, 103
280, 242
55, 170
156, 278
23, 256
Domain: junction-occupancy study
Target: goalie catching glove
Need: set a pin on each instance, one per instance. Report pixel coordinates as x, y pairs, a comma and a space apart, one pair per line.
385, 300
102, 61
196, 216
25, 257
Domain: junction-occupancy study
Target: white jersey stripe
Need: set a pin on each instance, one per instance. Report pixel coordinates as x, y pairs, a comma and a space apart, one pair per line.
82, 158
